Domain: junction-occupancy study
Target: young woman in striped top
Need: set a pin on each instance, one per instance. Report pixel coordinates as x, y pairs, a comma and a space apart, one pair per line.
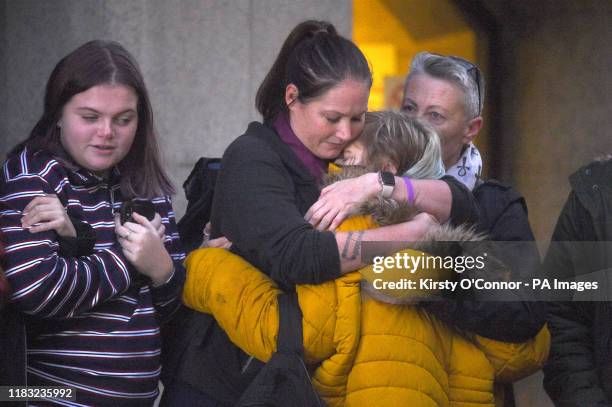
90, 324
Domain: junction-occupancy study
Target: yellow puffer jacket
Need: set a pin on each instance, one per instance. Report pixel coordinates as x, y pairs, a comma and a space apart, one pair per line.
366, 352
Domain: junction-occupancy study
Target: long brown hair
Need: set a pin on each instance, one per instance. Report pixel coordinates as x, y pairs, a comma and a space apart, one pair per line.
97, 63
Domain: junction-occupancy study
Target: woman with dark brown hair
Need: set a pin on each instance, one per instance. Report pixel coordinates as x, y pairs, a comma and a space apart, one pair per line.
94, 288
313, 103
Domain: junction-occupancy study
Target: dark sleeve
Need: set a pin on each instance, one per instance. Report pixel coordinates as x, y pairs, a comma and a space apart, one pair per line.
509, 321
515, 321
255, 207
512, 226
512, 223
167, 297
503, 218
81, 245
464, 207
571, 377
4, 289
520, 253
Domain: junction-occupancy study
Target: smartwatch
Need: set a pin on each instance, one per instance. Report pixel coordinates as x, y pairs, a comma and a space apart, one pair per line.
387, 183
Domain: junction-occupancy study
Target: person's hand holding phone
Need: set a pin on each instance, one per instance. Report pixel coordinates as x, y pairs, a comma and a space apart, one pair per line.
143, 245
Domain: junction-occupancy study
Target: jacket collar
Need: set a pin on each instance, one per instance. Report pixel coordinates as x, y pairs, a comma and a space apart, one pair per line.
593, 187
288, 157
315, 165
83, 177
76, 174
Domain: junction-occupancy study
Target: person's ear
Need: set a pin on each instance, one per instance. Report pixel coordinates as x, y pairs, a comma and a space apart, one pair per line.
472, 129
291, 95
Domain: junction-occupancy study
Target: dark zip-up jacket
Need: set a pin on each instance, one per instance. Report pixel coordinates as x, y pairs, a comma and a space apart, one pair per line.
503, 218
579, 369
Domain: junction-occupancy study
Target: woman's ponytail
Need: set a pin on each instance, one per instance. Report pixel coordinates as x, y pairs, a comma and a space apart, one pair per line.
314, 58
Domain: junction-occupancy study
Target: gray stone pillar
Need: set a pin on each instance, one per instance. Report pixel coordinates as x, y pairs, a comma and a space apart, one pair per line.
557, 99
202, 61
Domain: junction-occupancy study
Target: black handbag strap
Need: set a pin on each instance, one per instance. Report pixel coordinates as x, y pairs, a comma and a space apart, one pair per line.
290, 337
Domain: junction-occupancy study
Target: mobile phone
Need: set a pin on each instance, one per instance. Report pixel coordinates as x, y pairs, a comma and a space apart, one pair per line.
144, 208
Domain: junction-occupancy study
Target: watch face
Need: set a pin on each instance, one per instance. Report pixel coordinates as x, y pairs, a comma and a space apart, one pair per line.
387, 178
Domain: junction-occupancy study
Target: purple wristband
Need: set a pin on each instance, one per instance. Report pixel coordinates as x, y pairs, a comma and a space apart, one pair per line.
409, 189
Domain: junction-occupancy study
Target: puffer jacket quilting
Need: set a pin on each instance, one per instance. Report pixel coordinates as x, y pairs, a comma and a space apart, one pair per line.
361, 349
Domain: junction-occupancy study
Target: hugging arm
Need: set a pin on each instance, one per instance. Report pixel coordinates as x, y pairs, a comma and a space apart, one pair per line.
520, 317
270, 231
256, 208
43, 282
446, 199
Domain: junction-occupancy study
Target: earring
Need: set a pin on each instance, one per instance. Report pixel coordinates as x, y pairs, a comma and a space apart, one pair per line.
59, 124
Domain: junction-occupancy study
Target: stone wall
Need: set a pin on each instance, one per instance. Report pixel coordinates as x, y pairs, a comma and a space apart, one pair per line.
202, 61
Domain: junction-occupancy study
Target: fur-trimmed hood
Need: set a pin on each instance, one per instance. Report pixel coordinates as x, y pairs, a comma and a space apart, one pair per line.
438, 253
442, 242
386, 211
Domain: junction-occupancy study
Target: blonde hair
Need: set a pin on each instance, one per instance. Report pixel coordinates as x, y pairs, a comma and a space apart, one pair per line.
412, 145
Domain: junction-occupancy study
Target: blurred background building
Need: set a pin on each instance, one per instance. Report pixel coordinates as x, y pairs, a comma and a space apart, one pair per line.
546, 62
